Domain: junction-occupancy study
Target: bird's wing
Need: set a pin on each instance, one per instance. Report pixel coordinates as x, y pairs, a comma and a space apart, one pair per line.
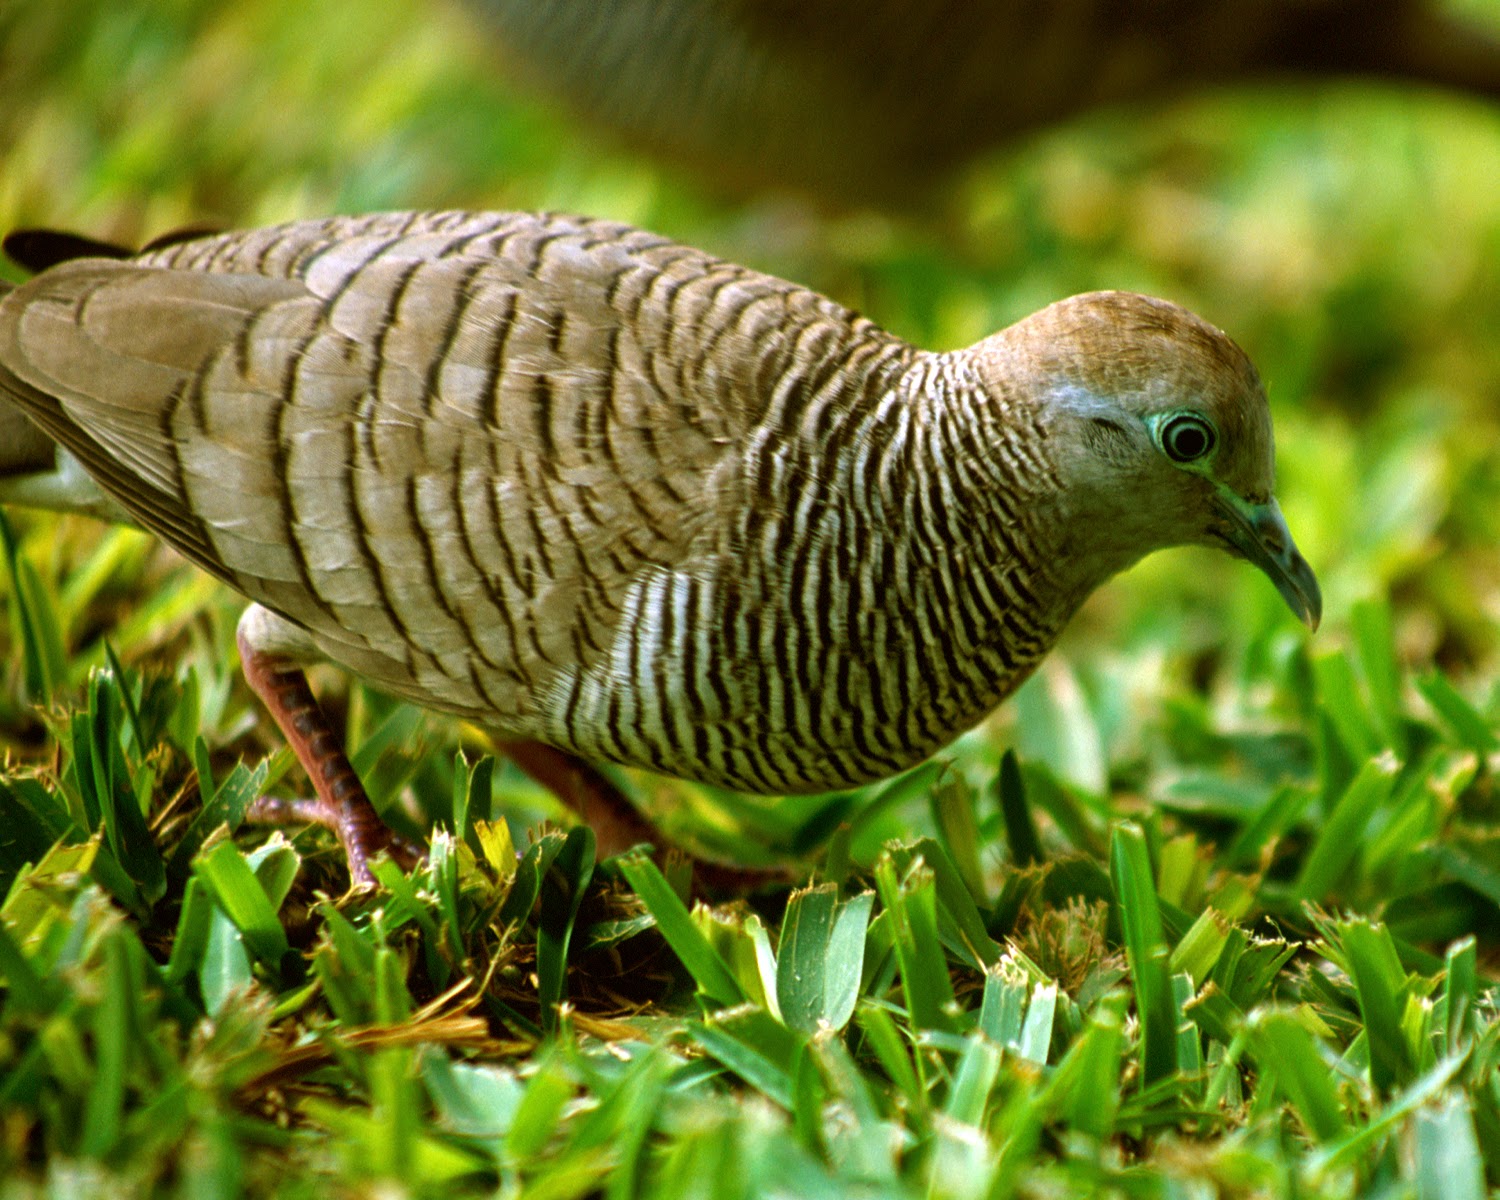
100, 352
440, 439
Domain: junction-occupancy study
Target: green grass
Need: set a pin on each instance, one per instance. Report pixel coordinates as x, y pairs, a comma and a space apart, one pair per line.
1210, 908
1267, 988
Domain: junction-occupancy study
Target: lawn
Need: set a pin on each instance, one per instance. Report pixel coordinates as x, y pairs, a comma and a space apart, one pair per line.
1210, 908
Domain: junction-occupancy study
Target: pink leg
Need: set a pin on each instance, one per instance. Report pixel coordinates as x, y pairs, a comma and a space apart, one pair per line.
616, 822
340, 803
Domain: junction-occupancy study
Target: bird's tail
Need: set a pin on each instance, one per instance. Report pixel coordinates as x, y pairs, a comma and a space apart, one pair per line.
24, 449
37, 473
34, 471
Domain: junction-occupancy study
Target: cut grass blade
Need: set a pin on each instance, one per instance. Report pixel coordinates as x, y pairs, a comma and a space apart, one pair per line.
1189, 1042
472, 786
1003, 1008
959, 920
525, 873
1460, 991
1200, 947
1342, 834
1282, 1044
1140, 919
820, 958
1035, 1041
1017, 1013
911, 904
1380, 985
953, 805
742, 941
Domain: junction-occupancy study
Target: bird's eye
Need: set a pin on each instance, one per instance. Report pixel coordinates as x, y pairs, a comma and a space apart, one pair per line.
1187, 438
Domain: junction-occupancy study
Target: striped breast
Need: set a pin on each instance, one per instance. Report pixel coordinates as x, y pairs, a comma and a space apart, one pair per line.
880, 590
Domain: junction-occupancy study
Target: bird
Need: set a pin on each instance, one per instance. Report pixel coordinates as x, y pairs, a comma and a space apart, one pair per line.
620, 501
878, 106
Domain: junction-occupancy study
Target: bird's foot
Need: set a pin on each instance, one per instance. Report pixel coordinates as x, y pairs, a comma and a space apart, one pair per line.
359, 829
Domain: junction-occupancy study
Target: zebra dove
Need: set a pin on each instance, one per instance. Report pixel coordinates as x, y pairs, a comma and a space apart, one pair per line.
621, 501
878, 101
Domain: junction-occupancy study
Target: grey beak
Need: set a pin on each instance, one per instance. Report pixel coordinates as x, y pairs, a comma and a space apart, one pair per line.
1259, 532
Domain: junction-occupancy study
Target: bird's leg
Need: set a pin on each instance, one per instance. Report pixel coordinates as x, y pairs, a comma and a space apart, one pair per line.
616, 822
340, 803
270, 650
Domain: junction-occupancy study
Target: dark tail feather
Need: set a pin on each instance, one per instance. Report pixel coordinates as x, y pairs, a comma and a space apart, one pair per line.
38, 249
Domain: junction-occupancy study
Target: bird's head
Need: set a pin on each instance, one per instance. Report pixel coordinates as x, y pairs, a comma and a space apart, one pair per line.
1157, 427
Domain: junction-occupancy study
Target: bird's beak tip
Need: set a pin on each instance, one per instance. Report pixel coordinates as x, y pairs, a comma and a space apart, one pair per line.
1311, 609
1260, 532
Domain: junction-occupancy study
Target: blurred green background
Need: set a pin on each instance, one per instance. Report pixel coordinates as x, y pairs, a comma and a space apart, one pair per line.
1347, 235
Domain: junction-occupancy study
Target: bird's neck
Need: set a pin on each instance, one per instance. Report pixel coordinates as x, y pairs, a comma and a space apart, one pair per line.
992, 493
936, 505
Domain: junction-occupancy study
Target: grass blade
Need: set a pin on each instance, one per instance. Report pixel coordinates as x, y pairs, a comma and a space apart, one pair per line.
1279, 1041
703, 963
821, 957
1020, 829
234, 886
1380, 984
1457, 713
34, 621
1085, 1090
911, 906
1342, 834
1448, 1164
1140, 918
1035, 1042
563, 887
1460, 991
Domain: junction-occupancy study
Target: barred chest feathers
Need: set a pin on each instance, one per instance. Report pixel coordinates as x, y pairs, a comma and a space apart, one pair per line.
885, 601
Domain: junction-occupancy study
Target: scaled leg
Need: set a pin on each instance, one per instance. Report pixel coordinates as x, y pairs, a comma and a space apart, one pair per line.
340, 802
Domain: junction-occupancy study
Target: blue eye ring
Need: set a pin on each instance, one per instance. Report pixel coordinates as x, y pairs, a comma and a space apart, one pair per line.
1186, 438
